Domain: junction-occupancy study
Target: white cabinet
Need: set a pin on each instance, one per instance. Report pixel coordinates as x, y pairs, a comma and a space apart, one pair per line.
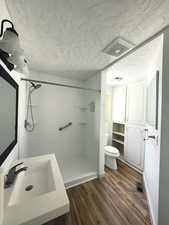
136, 96
134, 146
119, 104
128, 108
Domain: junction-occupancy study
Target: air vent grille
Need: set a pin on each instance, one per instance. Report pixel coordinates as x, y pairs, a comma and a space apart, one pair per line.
118, 47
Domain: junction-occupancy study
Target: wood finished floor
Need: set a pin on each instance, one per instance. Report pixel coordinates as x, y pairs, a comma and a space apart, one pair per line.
111, 200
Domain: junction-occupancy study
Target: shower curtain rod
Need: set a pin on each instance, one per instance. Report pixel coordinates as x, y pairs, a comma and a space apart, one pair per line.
60, 84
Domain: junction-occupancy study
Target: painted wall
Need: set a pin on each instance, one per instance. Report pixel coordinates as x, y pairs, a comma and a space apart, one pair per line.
152, 149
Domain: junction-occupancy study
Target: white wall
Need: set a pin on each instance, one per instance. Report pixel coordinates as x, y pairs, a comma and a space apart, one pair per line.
152, 150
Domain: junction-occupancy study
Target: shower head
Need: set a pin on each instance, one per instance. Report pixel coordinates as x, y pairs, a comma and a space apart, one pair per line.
37, 86
34, 86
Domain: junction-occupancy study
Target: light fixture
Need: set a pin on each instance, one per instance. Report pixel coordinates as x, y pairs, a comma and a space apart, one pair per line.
11, 46
10, 39
20, 63
4, 56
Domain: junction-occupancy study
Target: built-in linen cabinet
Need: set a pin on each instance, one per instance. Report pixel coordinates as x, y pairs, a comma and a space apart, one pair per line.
135, 105
134, 146
128, 115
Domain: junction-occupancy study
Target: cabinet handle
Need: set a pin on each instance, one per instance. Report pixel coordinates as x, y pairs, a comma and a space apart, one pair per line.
152, 136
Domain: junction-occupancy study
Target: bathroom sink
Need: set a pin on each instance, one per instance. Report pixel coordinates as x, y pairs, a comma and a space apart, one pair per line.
36, 181
38, 193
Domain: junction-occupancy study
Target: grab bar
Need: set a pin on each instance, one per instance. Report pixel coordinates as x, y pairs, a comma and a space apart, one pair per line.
67, 125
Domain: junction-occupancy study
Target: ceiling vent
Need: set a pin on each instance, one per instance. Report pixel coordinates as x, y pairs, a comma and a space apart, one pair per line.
118, 47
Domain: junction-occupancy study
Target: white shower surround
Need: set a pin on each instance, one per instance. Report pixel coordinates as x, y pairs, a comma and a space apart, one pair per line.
77, 147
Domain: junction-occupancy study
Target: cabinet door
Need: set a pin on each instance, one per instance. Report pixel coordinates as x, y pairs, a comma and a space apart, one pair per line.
134, 146
136, 95
119, 104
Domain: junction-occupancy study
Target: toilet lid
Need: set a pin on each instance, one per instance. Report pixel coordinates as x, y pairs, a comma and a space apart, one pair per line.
111, 150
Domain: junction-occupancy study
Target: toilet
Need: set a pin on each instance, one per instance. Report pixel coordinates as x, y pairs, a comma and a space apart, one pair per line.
111, 154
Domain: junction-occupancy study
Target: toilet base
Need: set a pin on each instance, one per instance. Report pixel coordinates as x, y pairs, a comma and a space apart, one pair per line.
110, 162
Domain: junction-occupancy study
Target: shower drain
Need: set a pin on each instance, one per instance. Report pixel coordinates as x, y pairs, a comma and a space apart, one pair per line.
29, 188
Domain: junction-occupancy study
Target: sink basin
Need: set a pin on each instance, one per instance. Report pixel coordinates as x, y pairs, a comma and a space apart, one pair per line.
37, 180
38, 194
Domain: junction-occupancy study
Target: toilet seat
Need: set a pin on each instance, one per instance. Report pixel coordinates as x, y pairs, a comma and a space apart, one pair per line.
112, 151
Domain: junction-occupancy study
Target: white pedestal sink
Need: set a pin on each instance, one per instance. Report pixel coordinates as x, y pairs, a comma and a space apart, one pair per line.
38, 194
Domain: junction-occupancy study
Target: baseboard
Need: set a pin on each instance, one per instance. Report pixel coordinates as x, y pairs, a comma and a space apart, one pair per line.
133, 167
152, 216
81, 180
101, 175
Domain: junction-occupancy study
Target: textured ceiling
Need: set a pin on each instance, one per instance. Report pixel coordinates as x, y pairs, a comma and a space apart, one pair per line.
66, 37
136, 66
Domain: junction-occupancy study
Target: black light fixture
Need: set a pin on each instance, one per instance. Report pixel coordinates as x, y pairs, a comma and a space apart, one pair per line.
9, 28
4, 57
10, 45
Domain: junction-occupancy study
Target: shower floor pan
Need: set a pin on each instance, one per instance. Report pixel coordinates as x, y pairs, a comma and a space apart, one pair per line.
77, 170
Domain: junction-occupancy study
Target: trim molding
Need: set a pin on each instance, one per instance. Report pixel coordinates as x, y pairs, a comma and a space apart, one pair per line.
152, 216
80, 180
131, 166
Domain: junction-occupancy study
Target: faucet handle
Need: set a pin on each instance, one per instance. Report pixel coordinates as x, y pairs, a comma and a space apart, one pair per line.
21, 169
14, 167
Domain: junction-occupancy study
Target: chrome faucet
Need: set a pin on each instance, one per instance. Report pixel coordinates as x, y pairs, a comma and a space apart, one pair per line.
12, 173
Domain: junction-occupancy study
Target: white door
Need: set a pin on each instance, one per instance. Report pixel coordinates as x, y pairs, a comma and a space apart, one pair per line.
119, 104
136, 96
152, 136
134, 146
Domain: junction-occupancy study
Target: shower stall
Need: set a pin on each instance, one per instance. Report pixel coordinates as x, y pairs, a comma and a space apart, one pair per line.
64, 120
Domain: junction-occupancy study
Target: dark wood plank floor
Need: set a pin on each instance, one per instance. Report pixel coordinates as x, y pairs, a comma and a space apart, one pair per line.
111, 200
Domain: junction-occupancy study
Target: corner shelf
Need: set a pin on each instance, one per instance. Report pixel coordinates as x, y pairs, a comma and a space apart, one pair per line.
118, 141
118, 136
118, 133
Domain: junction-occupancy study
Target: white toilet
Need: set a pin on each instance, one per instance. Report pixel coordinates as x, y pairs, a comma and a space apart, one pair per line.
111, 154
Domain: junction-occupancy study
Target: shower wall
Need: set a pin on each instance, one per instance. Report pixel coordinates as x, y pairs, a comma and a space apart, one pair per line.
54, 107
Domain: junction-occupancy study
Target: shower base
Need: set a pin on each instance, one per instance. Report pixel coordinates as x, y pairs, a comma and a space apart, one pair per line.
77, 170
